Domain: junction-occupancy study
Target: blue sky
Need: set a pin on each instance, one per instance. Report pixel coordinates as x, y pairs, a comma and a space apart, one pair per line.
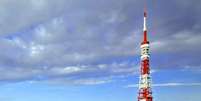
86, 50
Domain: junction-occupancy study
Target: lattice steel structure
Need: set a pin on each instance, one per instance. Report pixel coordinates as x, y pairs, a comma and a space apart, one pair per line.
145, 93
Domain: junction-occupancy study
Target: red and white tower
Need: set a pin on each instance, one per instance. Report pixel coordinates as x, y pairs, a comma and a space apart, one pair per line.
145, 93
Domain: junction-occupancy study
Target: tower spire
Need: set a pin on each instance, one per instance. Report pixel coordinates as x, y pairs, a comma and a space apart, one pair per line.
145, 40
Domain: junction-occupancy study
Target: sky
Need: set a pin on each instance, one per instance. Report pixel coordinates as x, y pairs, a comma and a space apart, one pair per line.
86, 50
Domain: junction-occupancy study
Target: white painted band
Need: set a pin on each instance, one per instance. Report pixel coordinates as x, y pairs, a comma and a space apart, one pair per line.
144, 57
144, 45
145, 27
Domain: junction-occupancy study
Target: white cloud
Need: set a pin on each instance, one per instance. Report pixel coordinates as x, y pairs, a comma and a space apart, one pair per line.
92, 81
87, 81
66, 70
167, 85
35, 50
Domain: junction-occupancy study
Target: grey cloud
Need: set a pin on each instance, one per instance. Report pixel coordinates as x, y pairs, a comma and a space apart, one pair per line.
48, 40
24, 14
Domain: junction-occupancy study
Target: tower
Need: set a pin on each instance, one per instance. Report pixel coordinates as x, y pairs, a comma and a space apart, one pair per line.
145, 93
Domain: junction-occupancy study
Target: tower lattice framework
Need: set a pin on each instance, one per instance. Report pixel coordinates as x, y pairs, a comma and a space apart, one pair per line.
145, 92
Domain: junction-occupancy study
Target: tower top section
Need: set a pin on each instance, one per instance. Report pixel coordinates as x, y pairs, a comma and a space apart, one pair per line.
145, 13
145, 39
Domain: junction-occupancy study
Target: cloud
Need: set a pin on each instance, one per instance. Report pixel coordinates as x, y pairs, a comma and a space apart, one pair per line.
63, 45
167, 85
89, 81
24, 14
80, 74
75, 40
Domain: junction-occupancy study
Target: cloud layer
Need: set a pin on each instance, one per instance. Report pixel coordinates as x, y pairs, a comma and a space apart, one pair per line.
77, 41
